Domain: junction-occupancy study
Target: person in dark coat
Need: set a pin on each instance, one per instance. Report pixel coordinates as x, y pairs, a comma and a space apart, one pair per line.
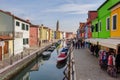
117, 62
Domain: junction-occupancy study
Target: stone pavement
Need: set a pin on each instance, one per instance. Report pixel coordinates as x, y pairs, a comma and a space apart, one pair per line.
87, 67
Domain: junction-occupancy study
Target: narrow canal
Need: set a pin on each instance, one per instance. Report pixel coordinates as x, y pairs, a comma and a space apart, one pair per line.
44, 68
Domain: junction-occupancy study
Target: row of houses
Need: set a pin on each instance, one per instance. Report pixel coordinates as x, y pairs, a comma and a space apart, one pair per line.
102, 24
17, 34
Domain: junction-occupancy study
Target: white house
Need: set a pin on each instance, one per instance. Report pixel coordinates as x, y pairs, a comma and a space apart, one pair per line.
21, 32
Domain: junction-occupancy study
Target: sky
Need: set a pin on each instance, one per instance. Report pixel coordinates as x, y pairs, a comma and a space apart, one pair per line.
69, 12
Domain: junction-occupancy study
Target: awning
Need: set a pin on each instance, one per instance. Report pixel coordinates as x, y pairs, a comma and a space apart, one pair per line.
91, 40
110, 43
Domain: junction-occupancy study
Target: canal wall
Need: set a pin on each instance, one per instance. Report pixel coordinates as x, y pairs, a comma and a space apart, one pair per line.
11, 70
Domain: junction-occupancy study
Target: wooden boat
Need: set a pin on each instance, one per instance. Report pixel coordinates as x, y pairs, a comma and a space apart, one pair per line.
46, 53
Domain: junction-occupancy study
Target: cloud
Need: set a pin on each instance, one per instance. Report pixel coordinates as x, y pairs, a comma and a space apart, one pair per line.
73, 8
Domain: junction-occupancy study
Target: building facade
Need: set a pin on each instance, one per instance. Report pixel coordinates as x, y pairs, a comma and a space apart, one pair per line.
34, 35
21, 32
104, 18
115, 19
91, 16
95, 28
6, 35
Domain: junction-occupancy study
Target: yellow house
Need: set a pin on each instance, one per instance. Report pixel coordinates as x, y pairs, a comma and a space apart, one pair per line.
43, 34
50, 35
115, 20
61, 35
57, 34
6, 47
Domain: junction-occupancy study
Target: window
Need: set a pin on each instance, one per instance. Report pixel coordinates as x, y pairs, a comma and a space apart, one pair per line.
96, 27
27, 41
108, 24
17, 23
23, 26
24, 42
100, 26
92, 28
114, 24
27, 27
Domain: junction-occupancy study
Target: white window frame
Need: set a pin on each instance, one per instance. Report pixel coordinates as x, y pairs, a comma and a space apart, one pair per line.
107, 23
116, 21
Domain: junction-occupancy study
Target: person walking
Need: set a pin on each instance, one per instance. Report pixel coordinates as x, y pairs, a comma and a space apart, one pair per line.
117, 62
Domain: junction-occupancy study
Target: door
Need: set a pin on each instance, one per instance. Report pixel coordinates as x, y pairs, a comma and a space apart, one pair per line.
0, 53
6, 47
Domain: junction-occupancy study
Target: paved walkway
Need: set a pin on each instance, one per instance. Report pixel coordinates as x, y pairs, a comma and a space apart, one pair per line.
87, 67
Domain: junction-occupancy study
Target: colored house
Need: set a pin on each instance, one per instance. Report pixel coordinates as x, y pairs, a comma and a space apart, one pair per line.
69, 35
6, 34
58, 34
34, 35
43, 34
104, 18
82, 30
95, 29
50, 34
21, 32
91, 16
115, 20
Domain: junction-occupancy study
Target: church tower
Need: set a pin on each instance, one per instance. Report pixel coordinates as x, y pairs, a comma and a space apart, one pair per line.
57, 26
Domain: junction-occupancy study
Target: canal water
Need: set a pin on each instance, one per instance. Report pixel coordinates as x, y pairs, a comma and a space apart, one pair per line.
44, 68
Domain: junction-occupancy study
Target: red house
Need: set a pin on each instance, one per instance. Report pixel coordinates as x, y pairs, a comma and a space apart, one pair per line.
82, 33
91, 16
69, 35
34, 35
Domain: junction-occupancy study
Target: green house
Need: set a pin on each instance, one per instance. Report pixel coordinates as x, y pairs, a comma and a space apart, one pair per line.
104, 18
95, 30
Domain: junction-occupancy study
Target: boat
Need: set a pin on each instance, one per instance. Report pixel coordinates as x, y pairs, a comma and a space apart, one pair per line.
46, 53
46, 57
64, 50
62, 57
51, 49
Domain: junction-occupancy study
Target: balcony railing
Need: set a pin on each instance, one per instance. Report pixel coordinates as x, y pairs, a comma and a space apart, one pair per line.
6, 34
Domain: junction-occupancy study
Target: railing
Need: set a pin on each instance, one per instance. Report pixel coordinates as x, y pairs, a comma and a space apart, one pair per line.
69, 71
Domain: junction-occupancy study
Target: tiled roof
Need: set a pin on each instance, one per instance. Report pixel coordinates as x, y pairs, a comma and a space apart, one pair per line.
6, 38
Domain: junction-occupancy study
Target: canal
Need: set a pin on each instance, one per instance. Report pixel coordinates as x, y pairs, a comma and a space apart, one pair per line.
44, 68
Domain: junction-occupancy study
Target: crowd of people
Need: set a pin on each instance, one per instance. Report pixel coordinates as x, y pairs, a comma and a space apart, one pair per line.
78, 43
108, 60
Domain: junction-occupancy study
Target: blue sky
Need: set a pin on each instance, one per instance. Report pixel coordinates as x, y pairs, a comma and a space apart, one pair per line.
47, 12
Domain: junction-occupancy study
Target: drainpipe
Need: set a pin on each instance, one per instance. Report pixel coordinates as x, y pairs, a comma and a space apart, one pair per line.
13, 34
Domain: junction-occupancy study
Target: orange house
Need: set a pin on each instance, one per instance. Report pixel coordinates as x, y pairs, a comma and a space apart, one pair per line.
115, 20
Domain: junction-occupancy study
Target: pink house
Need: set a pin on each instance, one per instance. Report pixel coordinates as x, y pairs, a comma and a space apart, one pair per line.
34, 35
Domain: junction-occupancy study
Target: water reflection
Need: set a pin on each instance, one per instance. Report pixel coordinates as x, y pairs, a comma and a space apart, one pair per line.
46, 57
60, 65
42, 67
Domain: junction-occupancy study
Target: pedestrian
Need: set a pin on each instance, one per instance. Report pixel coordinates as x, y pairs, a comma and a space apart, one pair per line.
73, 43
117, 62
76, 45
97, 50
